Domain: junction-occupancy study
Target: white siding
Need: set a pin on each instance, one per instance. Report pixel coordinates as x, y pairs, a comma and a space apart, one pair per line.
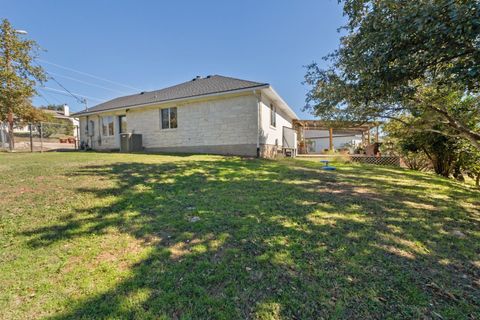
268, 133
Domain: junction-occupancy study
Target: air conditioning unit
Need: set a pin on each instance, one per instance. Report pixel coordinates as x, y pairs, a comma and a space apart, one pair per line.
130, 142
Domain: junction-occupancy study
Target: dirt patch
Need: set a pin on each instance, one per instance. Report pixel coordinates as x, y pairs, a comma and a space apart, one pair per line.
419, 205
121, 257
180, 249
398, 252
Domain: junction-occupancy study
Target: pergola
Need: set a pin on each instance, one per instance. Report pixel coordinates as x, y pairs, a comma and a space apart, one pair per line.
347, 128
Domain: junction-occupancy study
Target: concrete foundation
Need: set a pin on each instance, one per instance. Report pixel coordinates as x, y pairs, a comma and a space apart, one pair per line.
248, 150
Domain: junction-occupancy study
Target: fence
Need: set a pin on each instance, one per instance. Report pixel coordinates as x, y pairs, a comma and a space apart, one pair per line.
43, 136
383, 160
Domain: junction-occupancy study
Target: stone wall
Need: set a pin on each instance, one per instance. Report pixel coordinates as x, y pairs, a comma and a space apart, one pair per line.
216, 125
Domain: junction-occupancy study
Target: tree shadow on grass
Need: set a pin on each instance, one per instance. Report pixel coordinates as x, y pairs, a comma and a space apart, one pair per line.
277, 241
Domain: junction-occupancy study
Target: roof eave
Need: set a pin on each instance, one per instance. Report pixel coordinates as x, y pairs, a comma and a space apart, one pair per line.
87, 113
282, 102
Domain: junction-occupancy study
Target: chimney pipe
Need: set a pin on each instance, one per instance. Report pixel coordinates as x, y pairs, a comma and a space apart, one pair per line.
66, 110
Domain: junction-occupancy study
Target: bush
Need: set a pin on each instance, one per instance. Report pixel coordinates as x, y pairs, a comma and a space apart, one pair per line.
416, 160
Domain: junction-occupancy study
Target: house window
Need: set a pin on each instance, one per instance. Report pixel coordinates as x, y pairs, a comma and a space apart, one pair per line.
107, 126
90, 128
168, 118
273, 115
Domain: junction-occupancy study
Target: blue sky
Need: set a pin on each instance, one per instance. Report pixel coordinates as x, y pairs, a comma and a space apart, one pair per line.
154, 44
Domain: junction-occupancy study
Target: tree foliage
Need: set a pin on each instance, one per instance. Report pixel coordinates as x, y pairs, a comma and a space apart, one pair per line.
55, 107
416, 146
469, 161
394, 51
18, 75
34, 115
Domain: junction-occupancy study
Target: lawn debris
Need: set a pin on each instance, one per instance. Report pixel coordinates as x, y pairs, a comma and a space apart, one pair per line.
441, 291
458, 234
194, 219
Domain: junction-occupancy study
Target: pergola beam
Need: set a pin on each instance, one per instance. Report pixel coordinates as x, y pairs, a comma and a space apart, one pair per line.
323, 125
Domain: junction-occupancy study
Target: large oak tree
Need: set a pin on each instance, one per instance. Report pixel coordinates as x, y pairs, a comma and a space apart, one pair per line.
402, 57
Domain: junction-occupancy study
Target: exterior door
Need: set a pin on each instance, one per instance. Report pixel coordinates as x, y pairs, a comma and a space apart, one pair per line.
122, 123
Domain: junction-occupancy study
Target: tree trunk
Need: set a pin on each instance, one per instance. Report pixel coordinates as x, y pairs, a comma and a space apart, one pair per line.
457, 173
473, 140
462, 129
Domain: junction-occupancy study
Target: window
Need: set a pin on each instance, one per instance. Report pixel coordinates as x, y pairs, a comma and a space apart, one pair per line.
273, 118
107, 126
122, 121
168, 118
91, 128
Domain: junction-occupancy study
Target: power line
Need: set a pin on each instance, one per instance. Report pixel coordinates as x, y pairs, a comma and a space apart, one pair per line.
44, 98
68, 91
89, 75
80, 100
85, 82
71, 94
51, 96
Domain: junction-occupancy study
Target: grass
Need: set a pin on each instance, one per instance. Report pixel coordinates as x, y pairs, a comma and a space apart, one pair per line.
91, 235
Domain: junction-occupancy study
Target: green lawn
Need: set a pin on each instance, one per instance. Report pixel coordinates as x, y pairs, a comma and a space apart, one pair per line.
91, 235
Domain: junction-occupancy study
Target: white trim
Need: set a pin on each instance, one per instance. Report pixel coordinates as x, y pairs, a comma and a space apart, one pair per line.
108, 125
278, 101
258, 95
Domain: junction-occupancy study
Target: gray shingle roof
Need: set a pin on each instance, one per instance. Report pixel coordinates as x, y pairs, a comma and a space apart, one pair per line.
193, 88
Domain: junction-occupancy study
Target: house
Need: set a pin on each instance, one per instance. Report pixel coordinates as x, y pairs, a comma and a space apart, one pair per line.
64, 116
318, 141
214, 114
60, 116
318, 137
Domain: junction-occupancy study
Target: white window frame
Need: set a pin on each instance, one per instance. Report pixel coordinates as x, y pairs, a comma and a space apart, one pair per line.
106, 121
273, 115
169, 118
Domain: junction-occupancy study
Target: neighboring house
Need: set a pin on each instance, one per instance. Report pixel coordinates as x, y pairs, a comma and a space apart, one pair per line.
317, 136
62, 115
215, 114
318, 141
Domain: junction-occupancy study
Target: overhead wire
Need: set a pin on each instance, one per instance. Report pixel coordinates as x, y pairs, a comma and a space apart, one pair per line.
73, 94
44, 98
85, 82
88, 74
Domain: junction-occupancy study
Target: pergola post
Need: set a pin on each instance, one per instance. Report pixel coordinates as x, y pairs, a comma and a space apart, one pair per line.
330, 136
368, 137
304, 147
376, 134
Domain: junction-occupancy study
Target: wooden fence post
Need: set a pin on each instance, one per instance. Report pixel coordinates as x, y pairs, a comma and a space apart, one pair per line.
31, 138
41, 136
